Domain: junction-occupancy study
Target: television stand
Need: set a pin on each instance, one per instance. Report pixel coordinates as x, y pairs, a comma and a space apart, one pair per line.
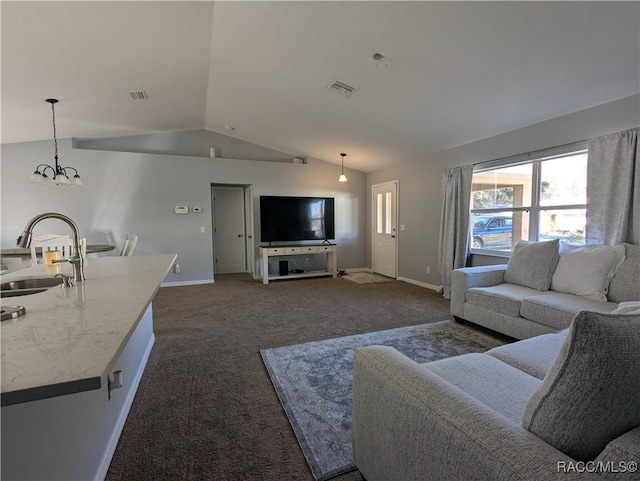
299, 250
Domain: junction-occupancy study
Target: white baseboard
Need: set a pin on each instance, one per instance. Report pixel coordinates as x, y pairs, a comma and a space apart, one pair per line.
399, 278
186, 283
419, 283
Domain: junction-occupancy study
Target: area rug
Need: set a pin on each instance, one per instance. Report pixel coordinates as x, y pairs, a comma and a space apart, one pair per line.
366, 277
314, 383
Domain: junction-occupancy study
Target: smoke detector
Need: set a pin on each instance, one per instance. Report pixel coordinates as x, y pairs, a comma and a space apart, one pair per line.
341, 88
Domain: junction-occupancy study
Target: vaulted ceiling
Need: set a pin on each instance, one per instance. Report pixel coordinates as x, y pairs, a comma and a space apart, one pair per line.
451, 72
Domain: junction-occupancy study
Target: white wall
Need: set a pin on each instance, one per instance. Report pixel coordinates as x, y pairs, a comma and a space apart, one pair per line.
419, 199
135, 192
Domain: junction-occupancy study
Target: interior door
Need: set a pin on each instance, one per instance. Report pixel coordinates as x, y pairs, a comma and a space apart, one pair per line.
384, 237
229, 230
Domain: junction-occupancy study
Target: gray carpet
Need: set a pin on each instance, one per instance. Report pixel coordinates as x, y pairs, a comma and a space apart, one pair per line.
206, 408
314, 383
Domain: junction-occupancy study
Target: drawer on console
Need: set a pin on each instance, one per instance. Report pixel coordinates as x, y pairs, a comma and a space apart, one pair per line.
324, 248
294, 250
311, 249
275, 250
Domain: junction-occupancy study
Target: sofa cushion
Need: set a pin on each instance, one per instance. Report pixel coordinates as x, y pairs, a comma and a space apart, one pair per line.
532, 264
503, 298
625, 284
533, 356
586, 270
495, 384
557, 310
590, 395
621, 453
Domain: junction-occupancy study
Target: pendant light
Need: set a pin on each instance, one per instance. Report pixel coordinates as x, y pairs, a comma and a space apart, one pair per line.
342, 178
59, 174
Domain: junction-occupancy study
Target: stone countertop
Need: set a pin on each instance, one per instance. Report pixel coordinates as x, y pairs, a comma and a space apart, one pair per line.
70, 337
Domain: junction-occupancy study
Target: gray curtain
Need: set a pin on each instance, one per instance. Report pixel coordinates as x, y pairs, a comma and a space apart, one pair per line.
454, 223
613, 189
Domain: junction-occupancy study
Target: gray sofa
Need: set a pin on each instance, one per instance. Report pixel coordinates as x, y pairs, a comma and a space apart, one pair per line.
562, 406
505, 303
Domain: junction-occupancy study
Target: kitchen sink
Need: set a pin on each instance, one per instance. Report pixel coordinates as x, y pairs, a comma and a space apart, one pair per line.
28, 285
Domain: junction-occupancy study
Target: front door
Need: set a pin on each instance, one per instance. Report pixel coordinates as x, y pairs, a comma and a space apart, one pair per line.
229, 234
384, 246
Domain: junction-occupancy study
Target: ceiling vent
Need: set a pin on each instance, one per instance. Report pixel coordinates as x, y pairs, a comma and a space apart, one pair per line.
341, 88
138, 95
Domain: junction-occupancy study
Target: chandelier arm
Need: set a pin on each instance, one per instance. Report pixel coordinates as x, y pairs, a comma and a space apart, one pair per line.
46, 166
64, 169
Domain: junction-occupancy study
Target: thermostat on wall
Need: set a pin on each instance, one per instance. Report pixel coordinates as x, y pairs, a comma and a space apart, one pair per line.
181, 209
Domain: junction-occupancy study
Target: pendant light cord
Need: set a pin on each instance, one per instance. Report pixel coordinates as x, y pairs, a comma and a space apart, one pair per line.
55, 138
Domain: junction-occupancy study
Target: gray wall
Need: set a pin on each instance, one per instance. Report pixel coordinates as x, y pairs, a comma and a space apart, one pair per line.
419, 199
135, 192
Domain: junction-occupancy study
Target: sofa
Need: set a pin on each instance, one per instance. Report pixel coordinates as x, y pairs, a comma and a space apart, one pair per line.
544, 285
561, 406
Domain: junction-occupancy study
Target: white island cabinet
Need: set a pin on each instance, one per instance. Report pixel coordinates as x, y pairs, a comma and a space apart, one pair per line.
71, 366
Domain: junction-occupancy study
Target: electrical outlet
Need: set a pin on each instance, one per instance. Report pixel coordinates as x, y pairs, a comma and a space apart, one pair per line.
176, 268
428, 269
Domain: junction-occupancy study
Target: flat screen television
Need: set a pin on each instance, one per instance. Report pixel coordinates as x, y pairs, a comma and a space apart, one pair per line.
296, 218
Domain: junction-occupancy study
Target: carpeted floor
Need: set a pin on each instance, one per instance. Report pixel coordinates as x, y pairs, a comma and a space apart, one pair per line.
206, 409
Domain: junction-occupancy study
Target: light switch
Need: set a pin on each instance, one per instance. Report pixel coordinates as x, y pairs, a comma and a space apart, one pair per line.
202, 229
401, 226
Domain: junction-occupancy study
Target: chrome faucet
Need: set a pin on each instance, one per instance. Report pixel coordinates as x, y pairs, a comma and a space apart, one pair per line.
75, 260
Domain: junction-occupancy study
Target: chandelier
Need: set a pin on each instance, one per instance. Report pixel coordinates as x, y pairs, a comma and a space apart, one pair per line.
59, 174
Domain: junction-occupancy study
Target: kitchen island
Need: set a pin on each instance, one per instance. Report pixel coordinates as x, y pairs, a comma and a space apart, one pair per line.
71, 366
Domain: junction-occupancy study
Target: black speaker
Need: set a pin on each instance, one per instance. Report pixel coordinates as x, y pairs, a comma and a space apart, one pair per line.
284, 268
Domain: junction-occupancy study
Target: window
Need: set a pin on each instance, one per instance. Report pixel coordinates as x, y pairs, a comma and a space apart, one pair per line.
540, 199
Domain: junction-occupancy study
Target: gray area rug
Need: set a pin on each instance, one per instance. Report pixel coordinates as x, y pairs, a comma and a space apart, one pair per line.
314, 383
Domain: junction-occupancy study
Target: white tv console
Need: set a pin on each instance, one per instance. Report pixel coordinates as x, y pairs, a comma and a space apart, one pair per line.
297, 250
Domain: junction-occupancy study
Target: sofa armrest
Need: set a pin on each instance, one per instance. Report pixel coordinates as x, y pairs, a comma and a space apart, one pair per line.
466, 277
410, 424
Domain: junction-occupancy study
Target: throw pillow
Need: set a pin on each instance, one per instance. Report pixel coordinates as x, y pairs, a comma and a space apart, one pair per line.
586, 270
532, 264
590, 394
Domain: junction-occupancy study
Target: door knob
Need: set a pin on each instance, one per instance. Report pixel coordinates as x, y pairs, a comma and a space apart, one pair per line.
393, 236
239, 235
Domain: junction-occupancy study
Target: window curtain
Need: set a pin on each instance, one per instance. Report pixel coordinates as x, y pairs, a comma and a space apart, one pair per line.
613, 189
454, 223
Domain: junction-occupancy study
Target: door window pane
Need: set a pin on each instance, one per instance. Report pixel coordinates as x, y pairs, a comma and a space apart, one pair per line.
387, 209
379, 213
